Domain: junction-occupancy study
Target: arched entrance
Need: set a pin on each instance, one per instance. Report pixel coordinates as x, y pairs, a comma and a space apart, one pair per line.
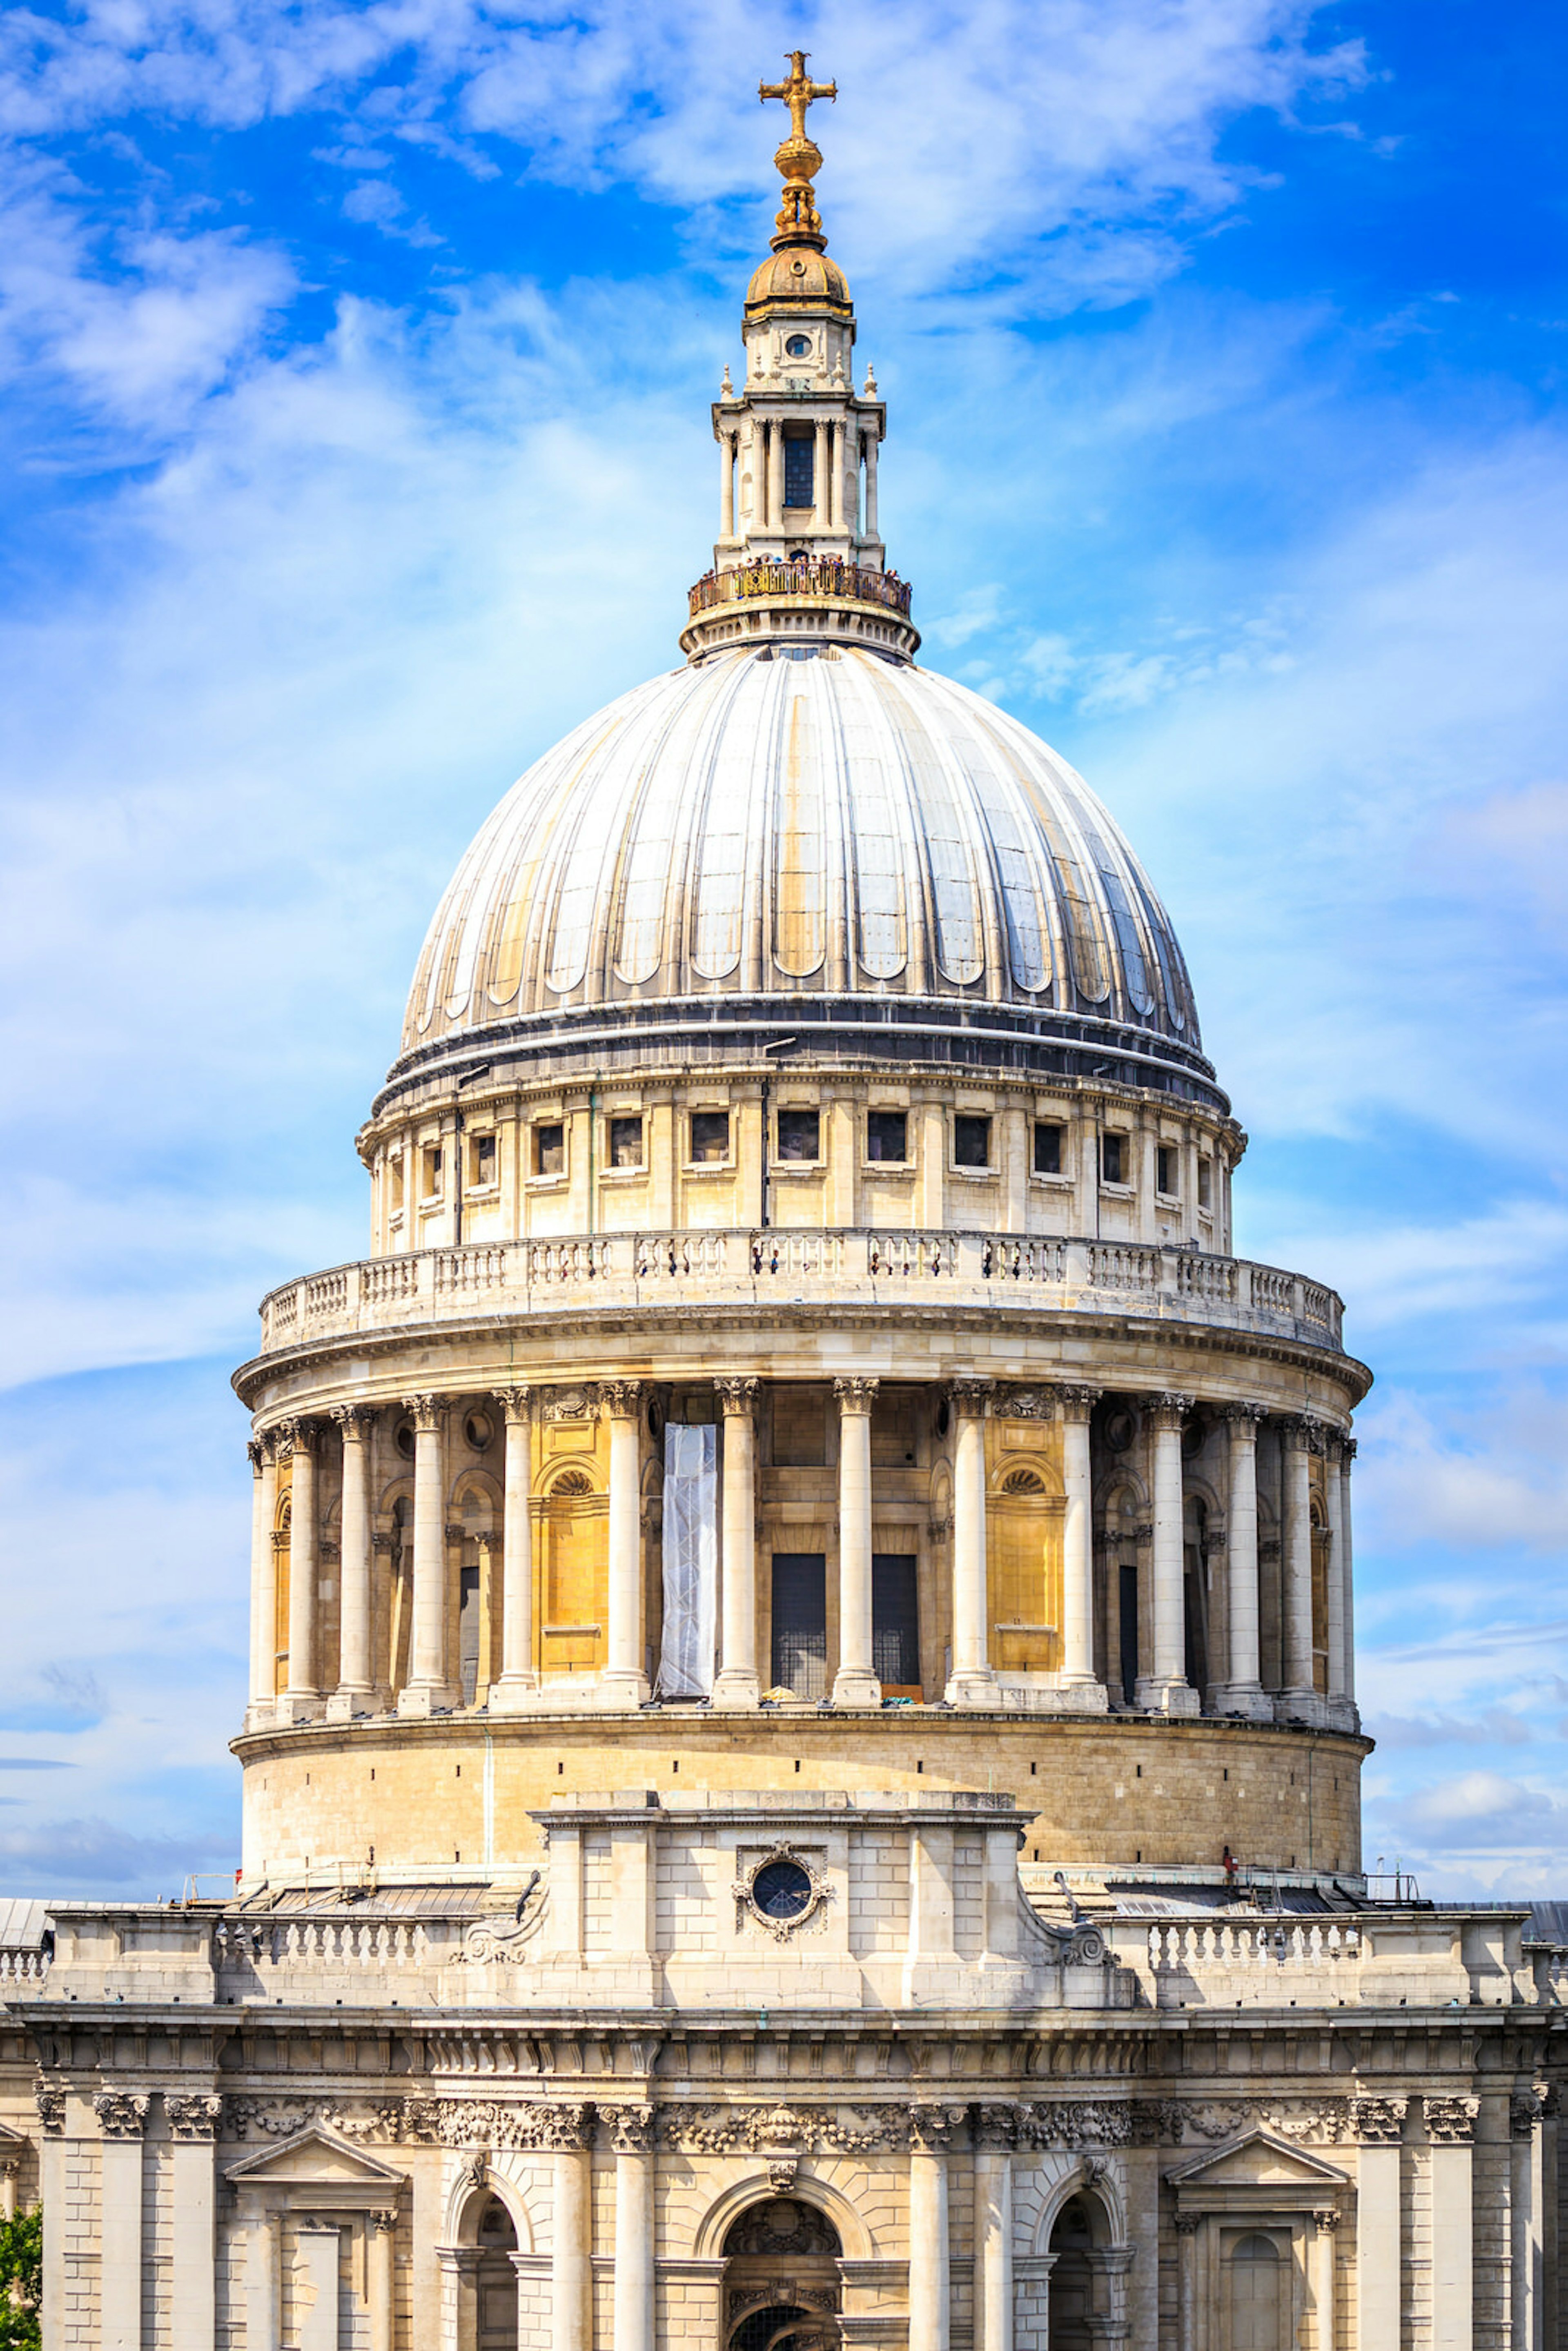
782, 2279
496, 2285
1072, 2291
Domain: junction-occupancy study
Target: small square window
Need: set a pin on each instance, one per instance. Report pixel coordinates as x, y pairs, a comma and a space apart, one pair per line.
549, 1150
1205, 1182
432, 1169
1046, 1147
799, 1134
710, 1137
1113, 1158
1167, 1177
625, 1143
887, 1136
971, 1142
484, 1159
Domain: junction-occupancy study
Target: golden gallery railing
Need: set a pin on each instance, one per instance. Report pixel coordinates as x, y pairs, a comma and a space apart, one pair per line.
826, 1267
820, 576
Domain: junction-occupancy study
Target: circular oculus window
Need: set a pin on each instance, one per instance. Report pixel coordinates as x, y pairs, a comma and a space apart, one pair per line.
781, 1889
798, 346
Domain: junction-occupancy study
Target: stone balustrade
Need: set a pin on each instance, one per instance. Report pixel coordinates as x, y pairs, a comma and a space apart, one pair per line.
630, 1271
1371, 1960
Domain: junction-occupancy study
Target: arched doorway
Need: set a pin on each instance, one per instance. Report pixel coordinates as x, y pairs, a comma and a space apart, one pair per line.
1070, 2304
1257, 2293
496, 2285
781, 2278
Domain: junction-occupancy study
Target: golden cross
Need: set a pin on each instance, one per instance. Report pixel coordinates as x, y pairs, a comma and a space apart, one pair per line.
797, 92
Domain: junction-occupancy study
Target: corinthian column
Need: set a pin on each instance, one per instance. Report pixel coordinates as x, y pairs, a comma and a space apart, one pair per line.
356, 1683
1077, 1675
994, 2134
572, 2257
517, 1688
738, 1682
1243, 1692
973, 1683
855, 1683
726, 484
428, 1686
821, 461
263, 1584
775, 474
871, 440
623, 1682
301, 1698
1166, 1688
1347, 1572
631, 2135
930, 2288
1299, 1699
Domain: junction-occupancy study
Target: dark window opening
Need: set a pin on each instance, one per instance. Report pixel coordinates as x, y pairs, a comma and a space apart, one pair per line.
484, 1159
1205, 1182
798, 472
799, 1134
468, 1633
1167, 1177
1113, 1158
1127, 1594
971, 1142
710, 1137
1047, 1148
431, 1171
887, 1136
895, 1624
800, 1623
549, 1150
625, 1143
798, 346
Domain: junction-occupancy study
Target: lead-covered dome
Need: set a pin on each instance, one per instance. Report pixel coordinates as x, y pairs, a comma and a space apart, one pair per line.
760, 841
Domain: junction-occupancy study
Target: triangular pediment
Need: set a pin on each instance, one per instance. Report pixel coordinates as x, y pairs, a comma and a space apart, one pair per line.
1256, 2159
316, 2156
9, 2137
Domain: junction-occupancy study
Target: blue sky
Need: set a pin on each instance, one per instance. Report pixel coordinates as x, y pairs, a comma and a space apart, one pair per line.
356, 444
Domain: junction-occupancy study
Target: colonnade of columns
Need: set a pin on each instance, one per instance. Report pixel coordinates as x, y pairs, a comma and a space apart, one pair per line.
431, 1681
841, 447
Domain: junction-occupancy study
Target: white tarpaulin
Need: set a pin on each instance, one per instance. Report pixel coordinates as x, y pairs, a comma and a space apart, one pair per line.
691, 1562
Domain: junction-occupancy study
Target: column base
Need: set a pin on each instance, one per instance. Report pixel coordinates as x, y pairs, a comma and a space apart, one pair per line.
419, 1699
1343, 1714
620, 1692
261, 1714
1081, 1693
345, 1704
296, 1706
852, 1686
1249, 1700
1172, 1696
514, 1694
1307, 1706
974, 1685
738, 1691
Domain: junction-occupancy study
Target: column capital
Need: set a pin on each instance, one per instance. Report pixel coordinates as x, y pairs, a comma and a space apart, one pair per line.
1451, 2121
49, 2098
192, 2116
568, 2127
1348, 1449
384, 2222
281, 1436
933, 2128
1186, 2223
856, 1394
355, 1421
1077, 1402
1167, 1409
381, 1541
622, 1400
1326, 2221
1377, 2122
121, 2113
1525, 2108
453, 1532
1304, 1431
517, 1403
426, 1410
259, 1454
630, 2128
1244, 1415
994, 2129
969, 1396
737, 1396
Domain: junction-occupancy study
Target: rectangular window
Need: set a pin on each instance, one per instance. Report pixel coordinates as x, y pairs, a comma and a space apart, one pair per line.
800, 1623
432, 1159
1167, 1163
549, 1150
710, 1137
972, 1143
887, 1136
894, 1624
798, 469
1205, 1182
799, 1134
484, 1163
396, 1172
1113, 1158
1046, 1147
625, 1143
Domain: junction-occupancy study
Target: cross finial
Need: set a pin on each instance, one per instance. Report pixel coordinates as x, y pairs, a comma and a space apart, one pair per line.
798, 157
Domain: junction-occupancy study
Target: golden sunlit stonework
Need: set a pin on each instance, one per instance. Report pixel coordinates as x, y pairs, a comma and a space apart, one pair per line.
802, 1763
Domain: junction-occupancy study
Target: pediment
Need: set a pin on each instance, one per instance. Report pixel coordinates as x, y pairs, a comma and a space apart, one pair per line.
1256, 2159
313, 2158
11, 2139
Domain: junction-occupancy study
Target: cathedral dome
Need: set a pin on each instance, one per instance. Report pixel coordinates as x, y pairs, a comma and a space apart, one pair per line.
760, 840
